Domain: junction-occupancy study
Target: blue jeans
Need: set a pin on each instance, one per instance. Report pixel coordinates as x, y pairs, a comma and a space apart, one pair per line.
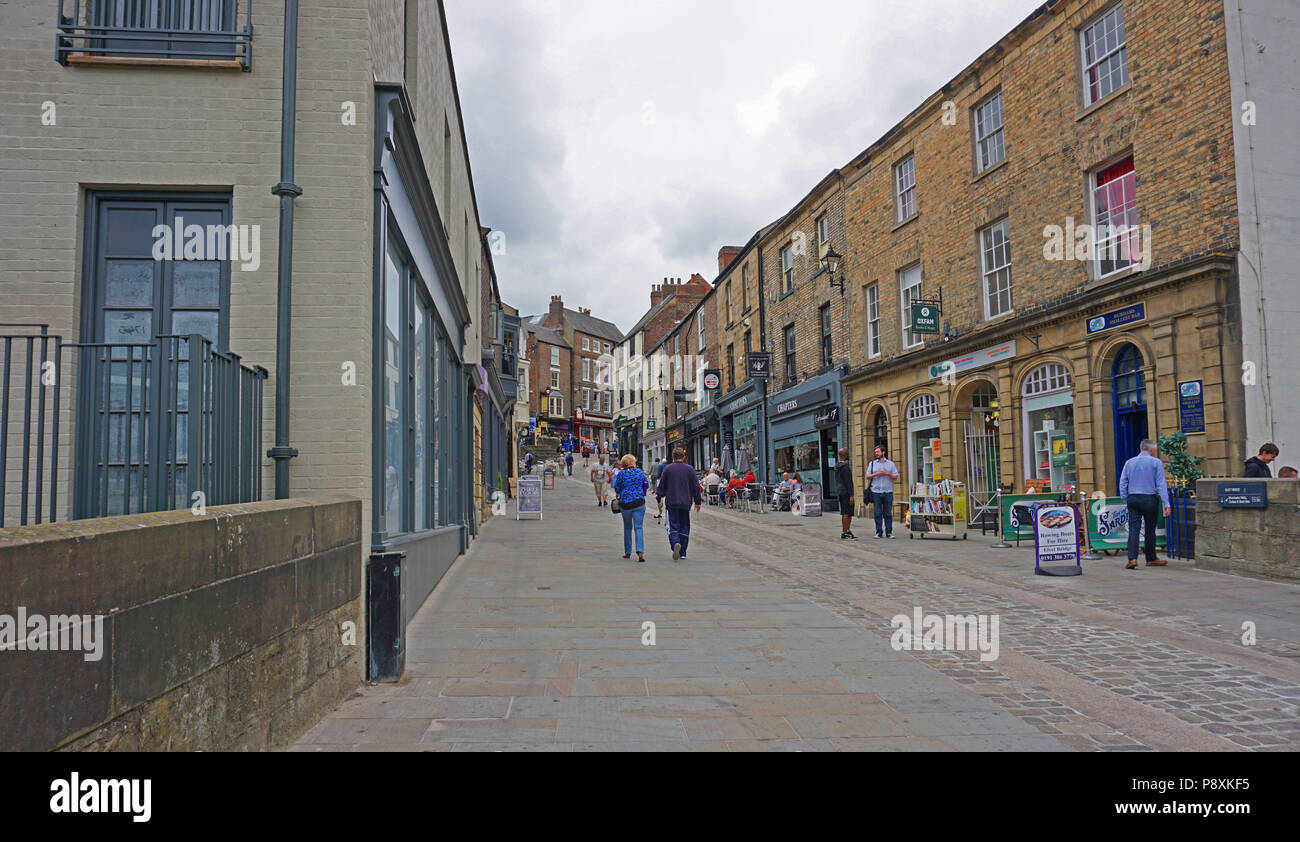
679, 526
632, 520
882, 503
1143, 509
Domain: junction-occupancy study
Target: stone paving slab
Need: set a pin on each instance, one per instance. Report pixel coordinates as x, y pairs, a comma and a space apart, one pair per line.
533, 642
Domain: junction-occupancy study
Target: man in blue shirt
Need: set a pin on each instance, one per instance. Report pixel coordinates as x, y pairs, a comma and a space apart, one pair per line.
1142, 485
679, 484
881, 474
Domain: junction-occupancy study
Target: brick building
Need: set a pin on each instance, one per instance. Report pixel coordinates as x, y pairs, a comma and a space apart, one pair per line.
591, 341
550, 361
1051, 362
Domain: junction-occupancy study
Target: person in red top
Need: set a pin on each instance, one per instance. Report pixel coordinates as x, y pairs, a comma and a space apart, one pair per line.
734, 485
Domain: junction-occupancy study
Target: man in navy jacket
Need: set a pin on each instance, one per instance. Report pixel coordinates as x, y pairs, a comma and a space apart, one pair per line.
678, 483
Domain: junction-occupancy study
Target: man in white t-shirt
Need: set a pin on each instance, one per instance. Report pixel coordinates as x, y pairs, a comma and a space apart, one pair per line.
600, 478
881, 473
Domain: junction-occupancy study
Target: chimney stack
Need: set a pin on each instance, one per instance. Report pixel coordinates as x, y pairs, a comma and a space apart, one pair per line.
726, 255
556, 314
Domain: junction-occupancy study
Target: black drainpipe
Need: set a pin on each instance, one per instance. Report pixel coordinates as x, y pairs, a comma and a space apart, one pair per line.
287, 191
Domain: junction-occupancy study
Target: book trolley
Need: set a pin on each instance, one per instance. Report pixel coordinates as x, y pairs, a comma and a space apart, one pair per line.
937, 508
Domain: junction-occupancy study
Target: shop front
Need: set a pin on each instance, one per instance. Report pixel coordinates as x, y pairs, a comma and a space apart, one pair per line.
627, 435
702, 438
674, 437
741, 430
1014, 412
592, 429
806, 435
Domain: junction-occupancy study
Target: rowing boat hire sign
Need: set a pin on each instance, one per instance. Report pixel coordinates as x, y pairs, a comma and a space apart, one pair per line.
1056, 533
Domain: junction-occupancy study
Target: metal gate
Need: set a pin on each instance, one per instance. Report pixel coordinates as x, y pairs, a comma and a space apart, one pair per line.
983, 471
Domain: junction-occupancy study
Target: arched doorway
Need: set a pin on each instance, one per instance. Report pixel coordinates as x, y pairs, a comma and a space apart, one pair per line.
880, 429
923, 449
1128, 389
983, 457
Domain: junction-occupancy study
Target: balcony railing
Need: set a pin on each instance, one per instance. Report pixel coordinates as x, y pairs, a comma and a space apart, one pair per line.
157, 426
209, 32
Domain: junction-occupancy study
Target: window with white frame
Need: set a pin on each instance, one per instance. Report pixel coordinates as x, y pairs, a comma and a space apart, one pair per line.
744, 288
995, 251
557, 405
586, 369
787, 269
608, 347
989, 145
1047, 378
1105, 57
677, 344
873, 320
608, 401
555, 378
823, 235
586, 398
909, 286
730, 316
1117, 241
905, 187
922, 406
699, 329
555, 356
586, 344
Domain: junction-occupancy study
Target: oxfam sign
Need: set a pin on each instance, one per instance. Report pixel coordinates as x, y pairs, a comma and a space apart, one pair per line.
925, 318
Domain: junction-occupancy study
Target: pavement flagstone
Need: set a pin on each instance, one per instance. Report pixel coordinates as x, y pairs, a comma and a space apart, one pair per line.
775, 635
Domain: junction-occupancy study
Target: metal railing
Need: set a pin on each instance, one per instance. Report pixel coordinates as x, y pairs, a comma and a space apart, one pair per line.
157, 426
203, 30
1180, 526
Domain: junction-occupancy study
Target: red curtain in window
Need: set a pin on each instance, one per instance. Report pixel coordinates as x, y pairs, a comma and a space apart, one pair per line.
1115, 171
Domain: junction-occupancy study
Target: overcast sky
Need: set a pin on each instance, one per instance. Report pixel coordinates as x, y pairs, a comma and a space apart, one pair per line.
617, 142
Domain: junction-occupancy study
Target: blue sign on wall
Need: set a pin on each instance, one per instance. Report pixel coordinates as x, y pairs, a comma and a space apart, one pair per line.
1191, 406
1243, 495
1117, 318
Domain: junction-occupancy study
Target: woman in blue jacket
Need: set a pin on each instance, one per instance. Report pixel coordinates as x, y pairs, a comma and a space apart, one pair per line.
630, 484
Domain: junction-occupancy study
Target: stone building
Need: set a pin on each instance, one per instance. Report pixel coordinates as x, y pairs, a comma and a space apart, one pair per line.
1054, 350
361, 316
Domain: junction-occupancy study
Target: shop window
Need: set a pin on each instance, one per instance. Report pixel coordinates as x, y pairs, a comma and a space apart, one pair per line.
1048, 401
925, 456
880, 428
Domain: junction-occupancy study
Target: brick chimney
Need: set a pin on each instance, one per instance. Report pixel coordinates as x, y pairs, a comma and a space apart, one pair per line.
726, 254
658, 291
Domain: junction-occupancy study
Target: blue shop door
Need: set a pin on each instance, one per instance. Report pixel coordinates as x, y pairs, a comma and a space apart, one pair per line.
1129, 391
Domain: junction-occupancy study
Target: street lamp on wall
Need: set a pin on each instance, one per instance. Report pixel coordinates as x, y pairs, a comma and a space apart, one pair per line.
831, 264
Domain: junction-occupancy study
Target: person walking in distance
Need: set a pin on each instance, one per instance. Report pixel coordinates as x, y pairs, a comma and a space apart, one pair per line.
881, 474
1142, 485
679, 484
844, 488
586, 456
655, 472
600, 479
568, 462
631, 485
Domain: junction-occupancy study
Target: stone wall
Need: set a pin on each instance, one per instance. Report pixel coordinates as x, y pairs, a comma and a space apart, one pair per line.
1253, 542
220, 631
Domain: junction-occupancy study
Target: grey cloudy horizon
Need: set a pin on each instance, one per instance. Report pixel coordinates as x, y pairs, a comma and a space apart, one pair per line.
614, 143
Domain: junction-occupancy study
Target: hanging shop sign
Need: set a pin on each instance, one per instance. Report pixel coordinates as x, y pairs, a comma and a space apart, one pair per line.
712, 379
925, 317
675, 434
529, 496
1108, 524
759, 364
974, 360
1056, 539
650, 424
807, 399
1191, 406
827, 418
1118, 318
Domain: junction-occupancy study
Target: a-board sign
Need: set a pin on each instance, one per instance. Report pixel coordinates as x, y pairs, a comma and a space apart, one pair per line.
1108, 524
1243, 495
548, 478
1056, 539
812, 499
529, 497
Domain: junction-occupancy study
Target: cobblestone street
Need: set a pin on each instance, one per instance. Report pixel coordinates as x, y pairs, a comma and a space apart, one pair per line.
775, 635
